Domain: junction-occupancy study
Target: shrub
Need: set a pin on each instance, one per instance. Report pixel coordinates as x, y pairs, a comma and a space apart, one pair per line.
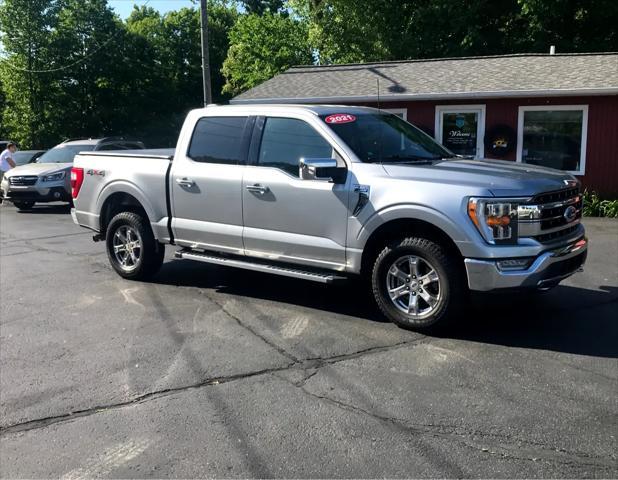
595, 207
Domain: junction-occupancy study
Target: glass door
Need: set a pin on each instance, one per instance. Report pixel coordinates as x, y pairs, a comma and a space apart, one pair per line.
461, 129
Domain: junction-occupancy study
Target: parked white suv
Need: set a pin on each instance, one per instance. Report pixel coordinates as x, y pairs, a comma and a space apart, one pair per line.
48, 179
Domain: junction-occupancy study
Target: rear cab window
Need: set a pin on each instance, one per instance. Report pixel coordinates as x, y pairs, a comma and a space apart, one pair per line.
219, 140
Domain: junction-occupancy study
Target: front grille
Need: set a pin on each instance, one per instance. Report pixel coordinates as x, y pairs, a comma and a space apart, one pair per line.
550, 237
552, 215
23, 181
556, 196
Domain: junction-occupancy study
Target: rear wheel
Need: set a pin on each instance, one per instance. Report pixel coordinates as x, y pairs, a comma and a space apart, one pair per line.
131, 247
417, 284
23, 205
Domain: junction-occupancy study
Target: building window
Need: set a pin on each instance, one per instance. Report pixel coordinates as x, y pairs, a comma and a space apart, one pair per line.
553, 136
461, 129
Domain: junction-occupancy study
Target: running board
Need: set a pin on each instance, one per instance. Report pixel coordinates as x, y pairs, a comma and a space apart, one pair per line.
320, 277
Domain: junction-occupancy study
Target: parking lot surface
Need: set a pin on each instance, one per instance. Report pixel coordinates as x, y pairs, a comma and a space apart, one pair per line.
215, 372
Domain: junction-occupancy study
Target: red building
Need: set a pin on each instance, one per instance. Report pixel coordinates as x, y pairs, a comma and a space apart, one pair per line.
555, 110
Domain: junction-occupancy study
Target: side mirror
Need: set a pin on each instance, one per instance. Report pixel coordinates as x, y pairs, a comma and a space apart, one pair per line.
322, 169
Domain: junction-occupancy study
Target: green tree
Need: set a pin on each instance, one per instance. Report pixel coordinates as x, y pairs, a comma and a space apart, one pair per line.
28, 96
259, 7
373, 30
261, 47
570, 25
90, 42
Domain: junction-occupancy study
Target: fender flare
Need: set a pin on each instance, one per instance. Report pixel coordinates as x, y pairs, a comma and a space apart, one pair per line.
122, 186
411, 212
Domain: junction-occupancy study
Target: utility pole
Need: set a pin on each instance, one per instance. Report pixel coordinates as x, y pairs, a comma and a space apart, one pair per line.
205, 54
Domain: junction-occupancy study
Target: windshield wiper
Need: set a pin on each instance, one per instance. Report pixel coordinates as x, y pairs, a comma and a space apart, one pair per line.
408, 159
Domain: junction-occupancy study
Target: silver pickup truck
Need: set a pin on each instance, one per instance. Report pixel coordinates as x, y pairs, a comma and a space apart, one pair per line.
325, 193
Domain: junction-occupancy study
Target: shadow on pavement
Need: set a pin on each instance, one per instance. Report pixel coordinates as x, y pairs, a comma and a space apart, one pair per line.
566, 319
47, 209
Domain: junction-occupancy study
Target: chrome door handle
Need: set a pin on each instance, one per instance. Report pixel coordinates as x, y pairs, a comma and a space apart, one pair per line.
185, 182
257, 188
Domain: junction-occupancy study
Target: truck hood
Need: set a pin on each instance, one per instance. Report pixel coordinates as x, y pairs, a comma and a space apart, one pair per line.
38, 169
501, 178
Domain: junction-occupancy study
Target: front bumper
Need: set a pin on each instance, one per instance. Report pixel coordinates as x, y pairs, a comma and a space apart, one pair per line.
547, 270
53, 193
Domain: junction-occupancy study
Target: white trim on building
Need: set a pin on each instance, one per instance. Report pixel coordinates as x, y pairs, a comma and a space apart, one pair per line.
480, 126
548, 108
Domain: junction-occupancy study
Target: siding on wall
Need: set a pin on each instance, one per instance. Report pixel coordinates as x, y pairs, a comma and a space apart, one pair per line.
601, 172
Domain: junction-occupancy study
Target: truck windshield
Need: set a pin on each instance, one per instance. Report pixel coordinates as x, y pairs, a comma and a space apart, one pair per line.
63, 154
386, 138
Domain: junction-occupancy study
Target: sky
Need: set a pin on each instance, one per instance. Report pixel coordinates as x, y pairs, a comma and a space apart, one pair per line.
124, 7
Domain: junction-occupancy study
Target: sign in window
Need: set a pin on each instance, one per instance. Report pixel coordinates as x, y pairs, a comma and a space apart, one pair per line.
553, 137
461, 129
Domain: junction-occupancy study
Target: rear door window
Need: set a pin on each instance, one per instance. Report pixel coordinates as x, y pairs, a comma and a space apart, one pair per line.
218, 140
286, 140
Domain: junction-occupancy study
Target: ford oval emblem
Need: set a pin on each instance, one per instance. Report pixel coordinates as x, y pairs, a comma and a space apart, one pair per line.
570, 213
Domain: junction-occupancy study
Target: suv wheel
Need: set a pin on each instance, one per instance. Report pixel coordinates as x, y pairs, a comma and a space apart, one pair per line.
417, 285
23, 205
131, 247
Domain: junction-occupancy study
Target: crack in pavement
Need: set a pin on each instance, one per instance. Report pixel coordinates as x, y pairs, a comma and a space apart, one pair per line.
303, 364
251, 330
548, 453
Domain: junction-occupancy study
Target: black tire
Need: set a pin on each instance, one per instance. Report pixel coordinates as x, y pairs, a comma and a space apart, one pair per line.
448, 291
23, 205
149, 254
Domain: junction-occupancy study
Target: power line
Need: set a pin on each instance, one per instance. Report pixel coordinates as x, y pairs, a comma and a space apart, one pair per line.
77, 62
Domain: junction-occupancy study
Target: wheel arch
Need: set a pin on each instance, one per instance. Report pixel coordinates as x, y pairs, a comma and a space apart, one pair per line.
118, 202
399, 228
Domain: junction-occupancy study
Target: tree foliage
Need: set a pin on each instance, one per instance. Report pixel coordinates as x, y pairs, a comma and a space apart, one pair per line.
261, 47
369, 30
73, 68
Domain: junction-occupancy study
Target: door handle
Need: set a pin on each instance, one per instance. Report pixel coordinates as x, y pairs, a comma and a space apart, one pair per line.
257, 188
185, 182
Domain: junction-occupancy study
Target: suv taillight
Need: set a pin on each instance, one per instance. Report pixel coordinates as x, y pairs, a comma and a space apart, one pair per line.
77, 178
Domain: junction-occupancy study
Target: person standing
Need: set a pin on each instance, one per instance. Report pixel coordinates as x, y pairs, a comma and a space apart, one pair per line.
6, 159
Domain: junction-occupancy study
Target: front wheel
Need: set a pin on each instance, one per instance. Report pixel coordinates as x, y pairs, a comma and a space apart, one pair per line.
131, 247
23, 205
417, 285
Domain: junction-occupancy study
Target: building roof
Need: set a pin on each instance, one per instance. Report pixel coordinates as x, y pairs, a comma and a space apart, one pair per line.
465, 77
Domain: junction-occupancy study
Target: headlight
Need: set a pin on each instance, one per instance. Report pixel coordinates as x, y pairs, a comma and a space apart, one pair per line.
54, 176
495, 219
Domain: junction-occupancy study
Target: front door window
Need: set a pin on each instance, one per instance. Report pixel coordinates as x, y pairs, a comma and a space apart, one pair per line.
461, 130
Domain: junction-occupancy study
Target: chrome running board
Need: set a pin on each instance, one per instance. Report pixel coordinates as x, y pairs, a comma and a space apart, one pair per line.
286, 271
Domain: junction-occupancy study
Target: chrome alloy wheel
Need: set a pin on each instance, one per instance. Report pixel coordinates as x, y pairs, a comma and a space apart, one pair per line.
127, 244
413, 286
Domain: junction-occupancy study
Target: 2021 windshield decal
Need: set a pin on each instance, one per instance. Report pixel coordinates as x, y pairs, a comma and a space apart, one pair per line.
340, 118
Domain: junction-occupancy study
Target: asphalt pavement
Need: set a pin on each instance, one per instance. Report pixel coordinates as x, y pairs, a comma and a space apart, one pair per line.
214, 372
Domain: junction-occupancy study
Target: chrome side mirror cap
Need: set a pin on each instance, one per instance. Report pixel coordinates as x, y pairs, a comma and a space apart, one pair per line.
321, 169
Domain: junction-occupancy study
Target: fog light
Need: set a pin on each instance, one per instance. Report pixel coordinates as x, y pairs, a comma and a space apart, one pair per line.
514, 264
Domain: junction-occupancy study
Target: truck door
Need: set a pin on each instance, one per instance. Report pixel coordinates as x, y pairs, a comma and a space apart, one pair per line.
285, 217
206, 183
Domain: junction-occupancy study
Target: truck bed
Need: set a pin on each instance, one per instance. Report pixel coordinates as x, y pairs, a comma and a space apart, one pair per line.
140, 174
159, 153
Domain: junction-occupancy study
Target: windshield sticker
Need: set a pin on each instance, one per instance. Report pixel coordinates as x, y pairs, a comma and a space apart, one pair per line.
340, 118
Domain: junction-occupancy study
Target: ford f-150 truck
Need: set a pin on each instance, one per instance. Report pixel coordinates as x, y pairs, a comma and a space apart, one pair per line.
325, 193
